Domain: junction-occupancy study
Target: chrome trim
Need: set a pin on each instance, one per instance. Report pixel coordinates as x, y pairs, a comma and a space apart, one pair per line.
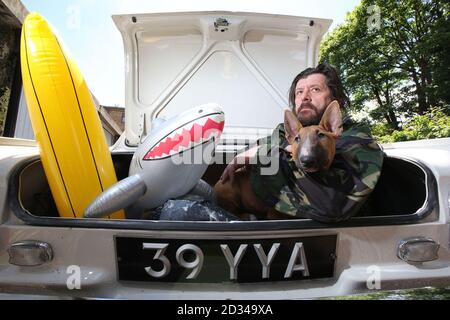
29, 253
428, 212
408, 249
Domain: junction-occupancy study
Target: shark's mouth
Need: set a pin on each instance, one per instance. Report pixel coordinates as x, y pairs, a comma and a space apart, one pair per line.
186, 137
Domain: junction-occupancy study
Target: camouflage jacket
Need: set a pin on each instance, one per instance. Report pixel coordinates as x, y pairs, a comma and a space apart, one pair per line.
330, 196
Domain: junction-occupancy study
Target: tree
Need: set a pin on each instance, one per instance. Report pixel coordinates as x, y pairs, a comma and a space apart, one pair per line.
393, 52
438, 48
9, 59
354, 51
416, 32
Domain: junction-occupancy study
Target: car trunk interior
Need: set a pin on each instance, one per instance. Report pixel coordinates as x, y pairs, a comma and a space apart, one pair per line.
401, 189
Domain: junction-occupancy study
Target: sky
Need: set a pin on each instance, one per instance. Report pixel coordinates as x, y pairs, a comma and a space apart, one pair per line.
89, 34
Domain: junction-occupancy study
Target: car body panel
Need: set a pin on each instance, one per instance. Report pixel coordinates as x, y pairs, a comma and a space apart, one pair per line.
84, 258
174, 61
94, 253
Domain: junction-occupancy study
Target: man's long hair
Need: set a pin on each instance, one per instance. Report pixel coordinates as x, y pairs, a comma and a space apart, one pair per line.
333, 82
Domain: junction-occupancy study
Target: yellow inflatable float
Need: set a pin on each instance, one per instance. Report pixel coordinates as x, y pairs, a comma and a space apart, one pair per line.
73, 147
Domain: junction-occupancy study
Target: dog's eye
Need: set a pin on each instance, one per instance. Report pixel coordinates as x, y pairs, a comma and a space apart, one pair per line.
321, 135
297, 139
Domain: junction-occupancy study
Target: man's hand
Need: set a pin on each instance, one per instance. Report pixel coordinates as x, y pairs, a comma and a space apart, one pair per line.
229, 171
239, 161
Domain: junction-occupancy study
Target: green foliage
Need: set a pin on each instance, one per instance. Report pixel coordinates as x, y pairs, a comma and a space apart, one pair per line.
432, 124
426, 293
396, 57
382, 132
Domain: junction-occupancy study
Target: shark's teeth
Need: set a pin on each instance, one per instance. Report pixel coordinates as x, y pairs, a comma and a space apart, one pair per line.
172, 152
202, 121
186, 137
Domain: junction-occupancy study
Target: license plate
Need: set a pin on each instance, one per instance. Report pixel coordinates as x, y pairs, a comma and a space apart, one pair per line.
215, 261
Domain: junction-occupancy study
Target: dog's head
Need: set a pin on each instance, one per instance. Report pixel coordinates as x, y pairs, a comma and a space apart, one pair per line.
313, 147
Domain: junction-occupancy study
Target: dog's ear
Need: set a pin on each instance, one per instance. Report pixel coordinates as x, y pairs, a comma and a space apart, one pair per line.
332, 118
291, 125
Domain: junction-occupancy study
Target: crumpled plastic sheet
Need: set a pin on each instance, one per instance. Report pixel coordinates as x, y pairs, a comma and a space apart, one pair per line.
190, 208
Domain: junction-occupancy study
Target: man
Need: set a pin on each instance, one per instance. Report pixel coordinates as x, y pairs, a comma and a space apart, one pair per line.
327, 196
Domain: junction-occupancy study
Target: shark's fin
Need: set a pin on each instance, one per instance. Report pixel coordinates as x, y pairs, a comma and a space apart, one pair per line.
121, 195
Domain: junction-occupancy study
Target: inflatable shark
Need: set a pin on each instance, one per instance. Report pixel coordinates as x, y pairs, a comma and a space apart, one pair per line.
169, 163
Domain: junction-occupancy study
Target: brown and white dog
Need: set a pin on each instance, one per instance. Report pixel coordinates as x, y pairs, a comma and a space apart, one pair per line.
312, 148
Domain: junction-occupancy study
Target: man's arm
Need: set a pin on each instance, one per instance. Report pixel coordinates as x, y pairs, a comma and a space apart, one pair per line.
240, 160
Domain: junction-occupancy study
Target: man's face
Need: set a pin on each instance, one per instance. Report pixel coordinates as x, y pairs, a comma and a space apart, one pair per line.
312, 96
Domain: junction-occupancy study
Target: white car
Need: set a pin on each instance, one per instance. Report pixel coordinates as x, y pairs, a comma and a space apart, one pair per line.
245, 62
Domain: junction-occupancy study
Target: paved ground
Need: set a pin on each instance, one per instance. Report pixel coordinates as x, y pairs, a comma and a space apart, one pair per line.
411, 294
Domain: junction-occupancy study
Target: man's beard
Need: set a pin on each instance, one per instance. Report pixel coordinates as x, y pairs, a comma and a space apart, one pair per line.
313, 120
